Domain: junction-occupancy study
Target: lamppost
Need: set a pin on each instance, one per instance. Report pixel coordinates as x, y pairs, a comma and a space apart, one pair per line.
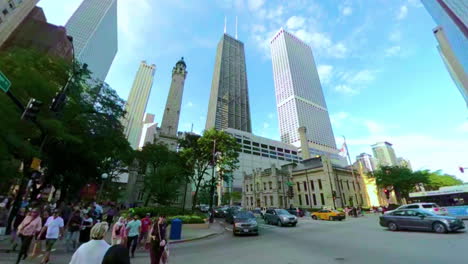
104, 176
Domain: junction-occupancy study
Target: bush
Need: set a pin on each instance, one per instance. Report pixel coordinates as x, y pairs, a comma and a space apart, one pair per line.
154, 211
188, 219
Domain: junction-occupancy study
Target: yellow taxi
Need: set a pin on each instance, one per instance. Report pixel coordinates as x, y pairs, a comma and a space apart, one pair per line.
327, 214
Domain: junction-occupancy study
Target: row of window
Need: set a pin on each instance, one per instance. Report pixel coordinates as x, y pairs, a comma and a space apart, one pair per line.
263, 147
12, 6
312, 185
314, 199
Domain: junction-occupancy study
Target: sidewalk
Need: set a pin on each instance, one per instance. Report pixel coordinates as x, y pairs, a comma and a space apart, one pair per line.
190, 233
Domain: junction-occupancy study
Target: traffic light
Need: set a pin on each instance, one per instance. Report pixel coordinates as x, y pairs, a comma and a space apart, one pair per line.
57, 102
290, 192
387, 193
462, 170
32, 109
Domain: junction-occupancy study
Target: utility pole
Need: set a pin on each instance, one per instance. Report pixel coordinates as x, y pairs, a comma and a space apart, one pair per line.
212, 181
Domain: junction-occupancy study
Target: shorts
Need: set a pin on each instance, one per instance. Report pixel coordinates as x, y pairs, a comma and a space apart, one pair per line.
50, 243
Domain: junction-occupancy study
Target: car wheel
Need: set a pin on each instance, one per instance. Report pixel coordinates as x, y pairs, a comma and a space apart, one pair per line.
439, 228
279, 223
392, 226
314, 217
331, 218
340, 219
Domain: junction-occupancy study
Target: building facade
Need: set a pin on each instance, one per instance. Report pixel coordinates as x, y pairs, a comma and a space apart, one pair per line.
402, 162
451, 16
149, 130
136, 103
229, 98
170, 121
369, 162
299, 96
93, 27
385, 154
12, 14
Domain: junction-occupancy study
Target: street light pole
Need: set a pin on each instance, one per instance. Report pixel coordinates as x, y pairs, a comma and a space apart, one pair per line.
103, 177
213, 181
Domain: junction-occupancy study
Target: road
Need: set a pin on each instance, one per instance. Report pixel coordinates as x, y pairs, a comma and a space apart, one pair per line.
355, 240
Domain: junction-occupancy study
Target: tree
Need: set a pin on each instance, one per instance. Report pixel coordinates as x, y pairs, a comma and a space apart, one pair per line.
402, 179
164, 172
437, 179
234, 196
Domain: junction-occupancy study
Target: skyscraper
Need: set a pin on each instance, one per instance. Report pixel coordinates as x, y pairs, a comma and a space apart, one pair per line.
451, 17
299, 96
13, 12
136, 103
368, 162
229, 99
170, 121
149, 130
93, 27
385, 154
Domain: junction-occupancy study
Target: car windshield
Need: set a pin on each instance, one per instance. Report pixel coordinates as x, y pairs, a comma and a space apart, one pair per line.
430, 206
426, 213
244, 215
283, 212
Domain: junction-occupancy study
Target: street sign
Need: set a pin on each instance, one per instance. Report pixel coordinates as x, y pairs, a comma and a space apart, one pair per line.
4, 83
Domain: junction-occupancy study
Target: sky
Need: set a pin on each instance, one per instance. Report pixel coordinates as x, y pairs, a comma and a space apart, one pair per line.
380, 70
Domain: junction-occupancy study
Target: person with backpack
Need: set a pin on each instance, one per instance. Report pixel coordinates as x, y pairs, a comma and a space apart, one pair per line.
118, 231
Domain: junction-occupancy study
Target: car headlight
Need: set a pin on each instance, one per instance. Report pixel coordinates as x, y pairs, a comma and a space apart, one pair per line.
452, 220
238, 224
253, 223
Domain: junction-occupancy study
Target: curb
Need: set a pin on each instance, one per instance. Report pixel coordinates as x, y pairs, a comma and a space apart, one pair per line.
195, 238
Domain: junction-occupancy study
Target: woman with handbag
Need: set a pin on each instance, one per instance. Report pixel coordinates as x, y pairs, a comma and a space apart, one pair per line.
31, 225
40, 236
158, 242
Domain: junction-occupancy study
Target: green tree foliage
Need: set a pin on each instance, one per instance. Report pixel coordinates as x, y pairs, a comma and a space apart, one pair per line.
164, 173
402, 179
437, 179
236, 197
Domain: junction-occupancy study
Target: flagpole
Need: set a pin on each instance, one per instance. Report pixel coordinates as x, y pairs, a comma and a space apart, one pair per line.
352, 168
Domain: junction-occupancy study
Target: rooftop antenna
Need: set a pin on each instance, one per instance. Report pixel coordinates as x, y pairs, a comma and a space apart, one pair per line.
225, 22
236, 27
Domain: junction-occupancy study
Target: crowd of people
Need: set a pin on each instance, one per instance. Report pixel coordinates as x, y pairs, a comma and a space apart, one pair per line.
95, 234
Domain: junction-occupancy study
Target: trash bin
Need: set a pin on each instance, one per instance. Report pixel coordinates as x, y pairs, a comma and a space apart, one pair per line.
176, 229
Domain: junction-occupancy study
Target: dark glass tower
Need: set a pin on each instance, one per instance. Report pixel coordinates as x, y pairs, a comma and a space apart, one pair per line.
229, 99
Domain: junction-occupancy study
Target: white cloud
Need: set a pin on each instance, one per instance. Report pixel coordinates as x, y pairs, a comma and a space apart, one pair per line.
189, 104
363, 76
392, 51
346, 11
338, 118
255, 4
402, 13
321, 42
345, 89
325, 73
258, 28
395, 36
338, 50
295, 22
374, 127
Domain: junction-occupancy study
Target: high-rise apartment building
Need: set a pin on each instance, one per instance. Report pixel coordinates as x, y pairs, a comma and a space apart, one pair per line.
229, 99
385, 154
149, 130
12, 13
136, 103
368, 163
451, 17
170, 121
299, 96
93, 27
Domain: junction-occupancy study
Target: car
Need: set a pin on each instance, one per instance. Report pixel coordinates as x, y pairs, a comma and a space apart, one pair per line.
296, 211
245, 223
326, 214
419, 219
230, 213
220, 211
204, 208
256, 212
280, 217
431, 207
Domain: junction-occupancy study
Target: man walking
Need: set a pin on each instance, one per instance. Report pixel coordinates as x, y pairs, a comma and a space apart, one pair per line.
54, 228
73, 233
145, 226
133, 229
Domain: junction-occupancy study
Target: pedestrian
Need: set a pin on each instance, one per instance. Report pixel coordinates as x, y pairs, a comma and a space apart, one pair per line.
117, 254
158, 240
134, 230
73, 228
145, 227
66, 211
94, 250
40, 236
54, 230
111, 213
86, 225
14, 232
118, 232
31, 225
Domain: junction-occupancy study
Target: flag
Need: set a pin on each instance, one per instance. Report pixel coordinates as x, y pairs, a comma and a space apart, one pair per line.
343, 151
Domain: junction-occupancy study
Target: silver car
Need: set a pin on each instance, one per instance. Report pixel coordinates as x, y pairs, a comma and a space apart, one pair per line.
418, 219
280, 217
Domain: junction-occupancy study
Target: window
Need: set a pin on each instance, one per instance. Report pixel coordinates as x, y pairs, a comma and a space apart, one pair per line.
279, 185
270, 184
5, 12
265, 201
354, 187
11, 4
343, 198
312, 185
430, 206
307, 199
258, 186
322, 199
412, 206
280, 149
399, 213
264, 146
300, 199
247, 188
255, 144
358, 186
251, 201
247, 142
247, 151
298, 187
251, 189
305, 186
272, 148
320, 184
347, 184
271, 200
256, 153
264, 186
314, 198
341, 182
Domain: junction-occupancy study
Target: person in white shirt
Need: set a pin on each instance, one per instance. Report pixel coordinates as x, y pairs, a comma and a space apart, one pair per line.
54, 226
94, 250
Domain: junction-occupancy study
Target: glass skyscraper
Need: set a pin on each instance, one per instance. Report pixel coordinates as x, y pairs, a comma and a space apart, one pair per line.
299, 96
451, 17
93, 27
229, 99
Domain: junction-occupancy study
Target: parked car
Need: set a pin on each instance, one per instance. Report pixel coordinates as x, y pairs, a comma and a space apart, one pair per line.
220, 211
204, 208
431, 207
245, 223
256, 212
326, 214
280, 217
419, 219
296, 211
230, 213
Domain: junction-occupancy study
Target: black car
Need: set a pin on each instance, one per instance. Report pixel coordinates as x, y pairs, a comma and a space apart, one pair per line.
245, 223
230, 212
418, 219
220, 211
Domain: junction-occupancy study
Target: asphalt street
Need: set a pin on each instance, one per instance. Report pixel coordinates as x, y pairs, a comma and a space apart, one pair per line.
355, 240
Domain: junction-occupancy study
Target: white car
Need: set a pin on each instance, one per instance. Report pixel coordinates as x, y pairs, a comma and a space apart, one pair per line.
432, 207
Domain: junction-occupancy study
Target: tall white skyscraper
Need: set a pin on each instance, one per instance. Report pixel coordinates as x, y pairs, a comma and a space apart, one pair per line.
299, 96
136, 103
385, 154
93, 27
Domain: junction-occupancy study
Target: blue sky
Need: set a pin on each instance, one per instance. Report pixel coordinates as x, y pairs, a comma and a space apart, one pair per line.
381, 73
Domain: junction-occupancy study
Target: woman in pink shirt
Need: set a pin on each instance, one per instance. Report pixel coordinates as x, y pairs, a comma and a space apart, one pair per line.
118, 231
30, 226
